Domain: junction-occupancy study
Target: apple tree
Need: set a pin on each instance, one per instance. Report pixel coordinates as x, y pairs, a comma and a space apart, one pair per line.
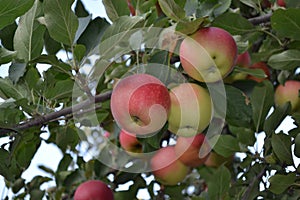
207, 124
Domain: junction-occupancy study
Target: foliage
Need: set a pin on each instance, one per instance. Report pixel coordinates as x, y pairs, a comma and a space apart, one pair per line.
69, 97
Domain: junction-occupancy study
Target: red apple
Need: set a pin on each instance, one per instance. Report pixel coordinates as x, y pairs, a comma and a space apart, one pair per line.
192, 151
264, 67
191, 109
281, 3
93, 189
140, 104
209, 54
130, 143
166, 167
216, 160
289, 92
243, 60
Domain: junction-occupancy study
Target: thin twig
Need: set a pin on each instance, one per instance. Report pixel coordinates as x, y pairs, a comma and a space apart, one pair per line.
41, 120
260, 19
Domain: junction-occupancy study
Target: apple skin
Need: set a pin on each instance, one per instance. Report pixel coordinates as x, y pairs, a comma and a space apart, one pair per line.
166, 167
289, 92
192, 151
281, 3
216, 160
243, 60
209, 54
191, 109
264, 67
130, 143
140, 104
93, 189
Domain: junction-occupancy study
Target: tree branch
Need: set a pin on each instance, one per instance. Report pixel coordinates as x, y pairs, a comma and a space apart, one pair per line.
55, 115
260, 19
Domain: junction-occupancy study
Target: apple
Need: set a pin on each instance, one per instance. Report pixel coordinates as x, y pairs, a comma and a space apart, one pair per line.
289, 92
191, 109
243, 60
130, 143
166, 167
281, 3
216, 160
192, 151
264, 67
93, 189
209, 54
140, 104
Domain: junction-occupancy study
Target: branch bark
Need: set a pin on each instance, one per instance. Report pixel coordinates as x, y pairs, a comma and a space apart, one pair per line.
260, 19
41, 120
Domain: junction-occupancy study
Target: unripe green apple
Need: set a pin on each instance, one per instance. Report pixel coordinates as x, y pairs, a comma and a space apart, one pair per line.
216, 160
93, 189
140, 104
289, 92
192, 151
130, 143
264, 67
209, 54
243, 60
191, 109
166, 167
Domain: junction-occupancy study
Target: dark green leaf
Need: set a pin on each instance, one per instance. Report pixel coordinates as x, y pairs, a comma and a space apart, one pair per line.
61, 22
8, 90
259, 73
16, 71
275, 119
8, 167
7, 36
6, 56
219, 183
189, 27
262, 99
80, 10
279, 183
281, 144
79, 52
286, 60
11, 9
244, 135
18, 185
115, 9
297, 145
62, 89
239, 27
286, 23
28, 39
172, 10
225, 145
51, 46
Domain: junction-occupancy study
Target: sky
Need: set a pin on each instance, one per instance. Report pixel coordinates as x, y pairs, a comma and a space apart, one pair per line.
49, 155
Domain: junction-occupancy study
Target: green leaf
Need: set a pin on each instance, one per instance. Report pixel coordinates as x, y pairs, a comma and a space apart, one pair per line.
225, 145
51, 46
172, 10
66, 137
286, 23
8, 90
83, 22
93, 33
61, 22
11, 9
28, 40
281, 144
262, 99
16, 71
279, 182
239, 27
244, 135
115, 9
219, 183
276, 118
8, 167
286, 60
79, 52
80, 10
189, 27
62, 89
297, 145
6, 56
7, 35
259, 73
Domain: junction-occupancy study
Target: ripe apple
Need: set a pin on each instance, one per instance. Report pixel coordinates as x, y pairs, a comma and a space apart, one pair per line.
289, 92
281, 3
140, 104
264, 67
191, 109
243, 60
192, 151
93, 189
166, 167
130, 143
216, 160
209, 54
